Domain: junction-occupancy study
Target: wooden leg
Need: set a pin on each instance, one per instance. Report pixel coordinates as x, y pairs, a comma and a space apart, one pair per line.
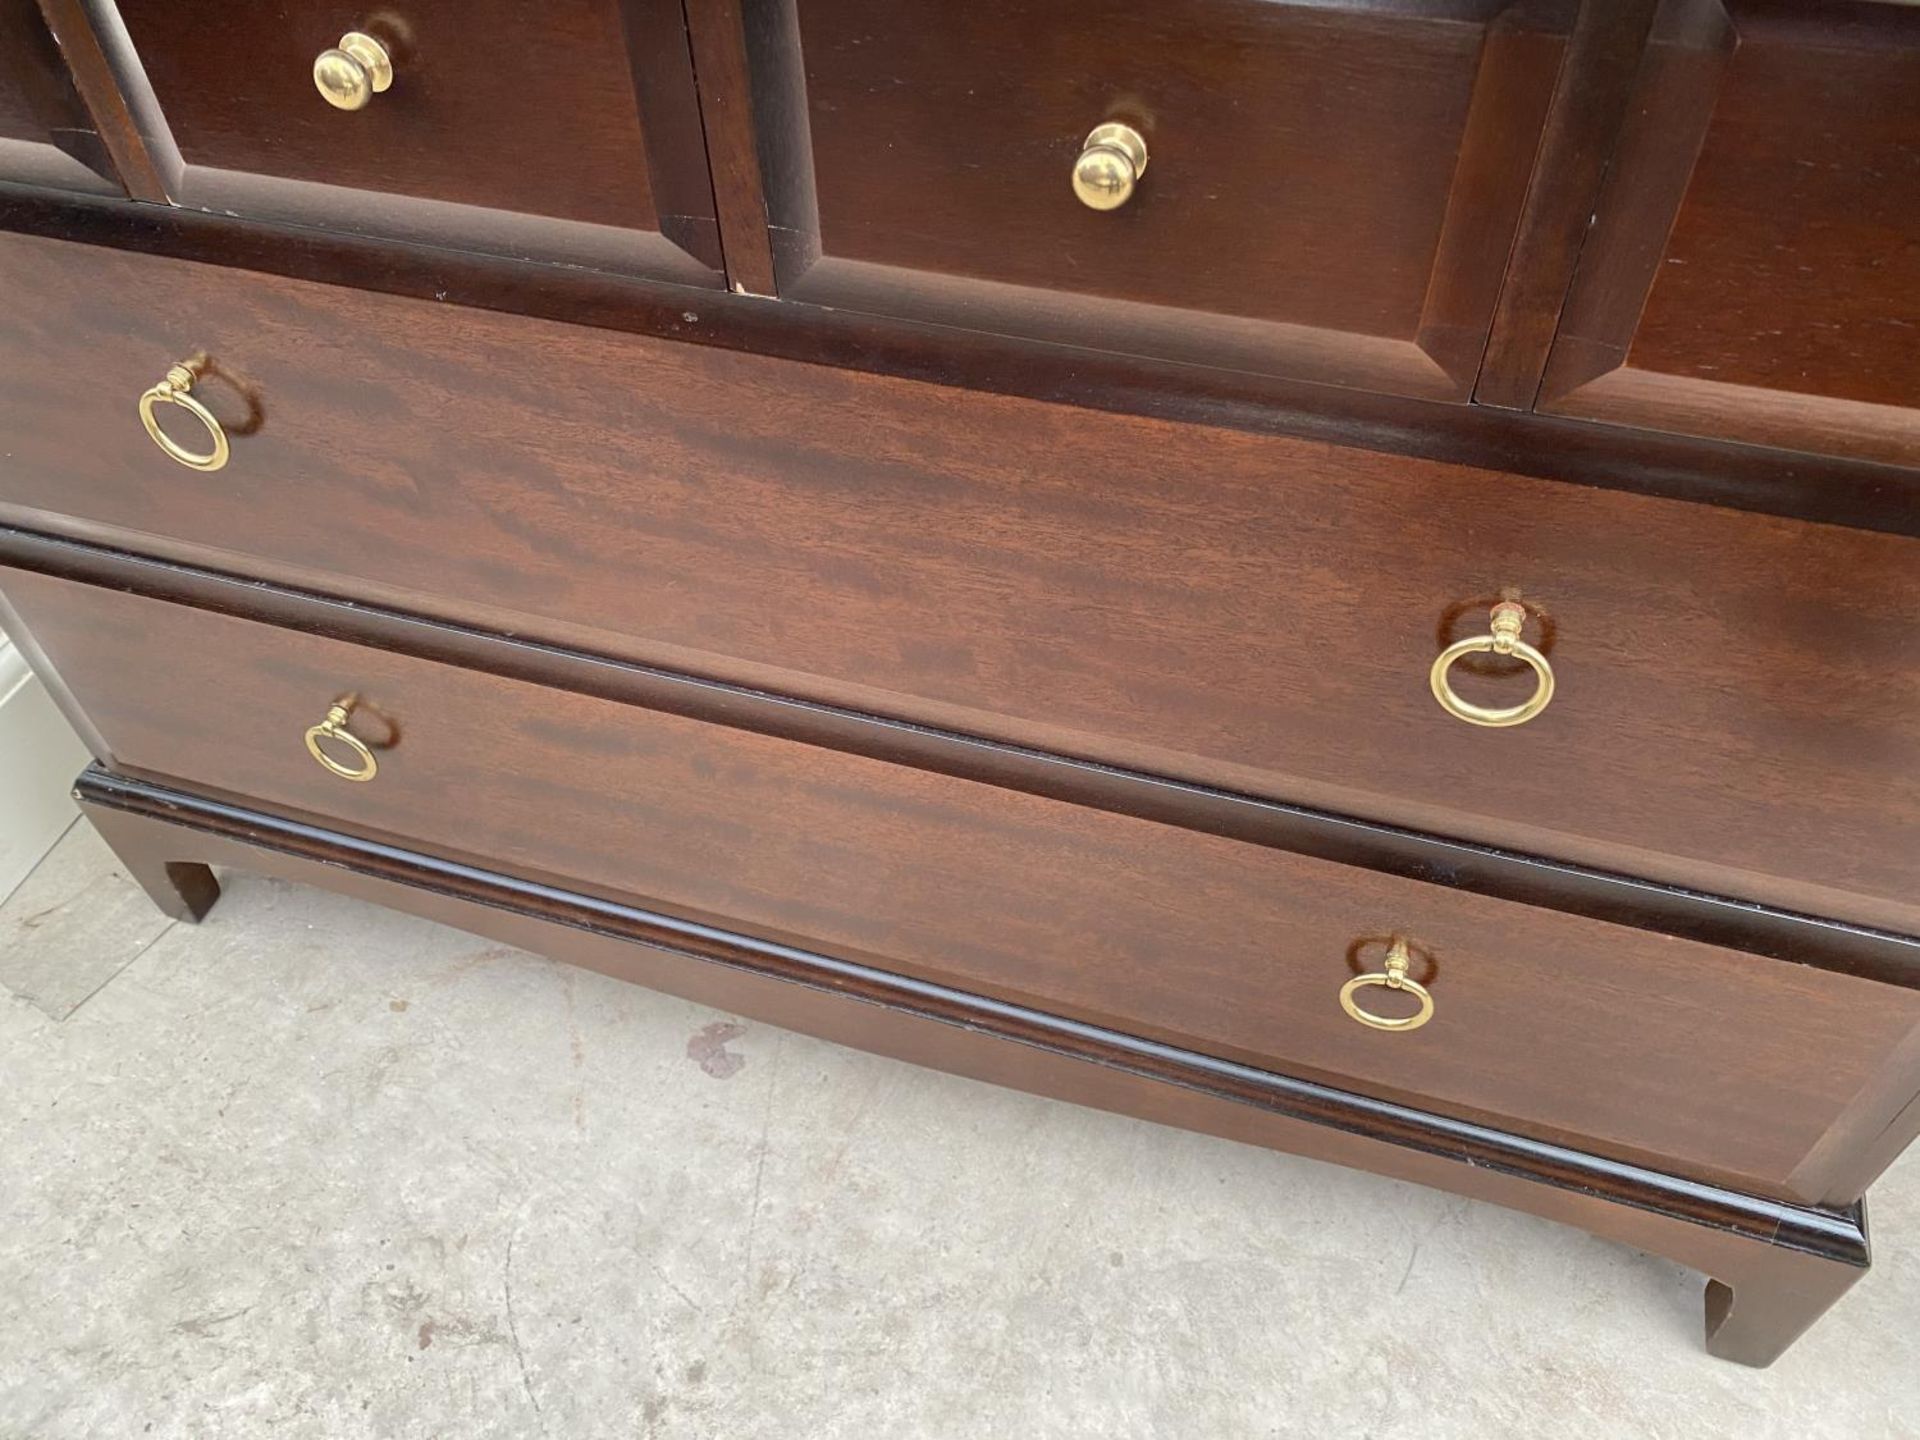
1756, 1316
184, 889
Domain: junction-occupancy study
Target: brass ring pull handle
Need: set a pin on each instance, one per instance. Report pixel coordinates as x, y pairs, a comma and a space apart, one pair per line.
1507, 618
353, 72
1394, 977
334, 729
1111, 163
176, 390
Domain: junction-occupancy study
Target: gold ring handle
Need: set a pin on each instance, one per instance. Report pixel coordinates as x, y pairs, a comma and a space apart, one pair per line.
334, 728
1111, 162
1507, 619
1394, 977
176, 390
353, 72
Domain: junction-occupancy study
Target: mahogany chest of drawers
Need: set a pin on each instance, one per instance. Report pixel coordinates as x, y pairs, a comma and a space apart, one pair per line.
1341, 575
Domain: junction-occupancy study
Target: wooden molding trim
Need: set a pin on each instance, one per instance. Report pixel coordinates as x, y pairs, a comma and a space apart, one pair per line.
718, 35
114, 88
1776, 933
1583, 126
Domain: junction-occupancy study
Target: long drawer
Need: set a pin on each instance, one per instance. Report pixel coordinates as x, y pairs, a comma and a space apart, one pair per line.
1738, 702
1637, 1045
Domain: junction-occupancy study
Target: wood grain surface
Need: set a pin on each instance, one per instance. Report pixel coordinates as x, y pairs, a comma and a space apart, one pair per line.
1752, 271
1583, 126
1329, 192
1739, 705
733, 120
588, 116
1231, 949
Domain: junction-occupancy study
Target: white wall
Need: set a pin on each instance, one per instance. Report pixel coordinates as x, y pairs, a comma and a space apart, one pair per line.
39, 757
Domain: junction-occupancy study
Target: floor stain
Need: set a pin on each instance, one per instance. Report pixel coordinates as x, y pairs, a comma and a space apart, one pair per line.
459, 1330
708, 1049
201, 1324
461, 967
382, 1067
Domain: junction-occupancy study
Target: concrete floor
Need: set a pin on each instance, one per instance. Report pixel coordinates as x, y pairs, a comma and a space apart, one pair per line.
313, 1169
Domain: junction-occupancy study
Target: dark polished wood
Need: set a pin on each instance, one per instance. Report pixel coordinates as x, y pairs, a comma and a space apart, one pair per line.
46, 137
716, 30
1582, 128
1752, 272
1192, 940
1825, 489
661, 63
1330, 193
577, 138
1485, 870
1777, 1266
1260, 618
47, 134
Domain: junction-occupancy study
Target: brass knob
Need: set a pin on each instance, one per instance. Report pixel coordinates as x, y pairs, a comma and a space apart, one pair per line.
1110, 165
1394, 977
174, 390
333, 730
1507, 619
352, 73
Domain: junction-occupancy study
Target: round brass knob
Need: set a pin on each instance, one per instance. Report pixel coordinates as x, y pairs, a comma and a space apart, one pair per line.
174, 391
1110, 165
333, 730
1507, 619
352, 73
1394, 977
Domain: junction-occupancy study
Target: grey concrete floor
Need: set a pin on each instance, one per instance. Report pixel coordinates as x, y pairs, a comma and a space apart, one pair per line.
314, 1169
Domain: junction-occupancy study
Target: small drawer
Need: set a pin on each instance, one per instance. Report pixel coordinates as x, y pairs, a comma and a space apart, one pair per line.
1288, 186
569, 130
1569, 1029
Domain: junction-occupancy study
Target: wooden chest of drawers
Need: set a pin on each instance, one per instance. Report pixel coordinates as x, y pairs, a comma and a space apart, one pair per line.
1146, 553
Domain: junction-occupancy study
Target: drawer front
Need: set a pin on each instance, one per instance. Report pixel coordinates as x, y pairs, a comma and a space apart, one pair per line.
1752, 270
46, 136
1571, 1029
1328, 191
569, 131
1738, 702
